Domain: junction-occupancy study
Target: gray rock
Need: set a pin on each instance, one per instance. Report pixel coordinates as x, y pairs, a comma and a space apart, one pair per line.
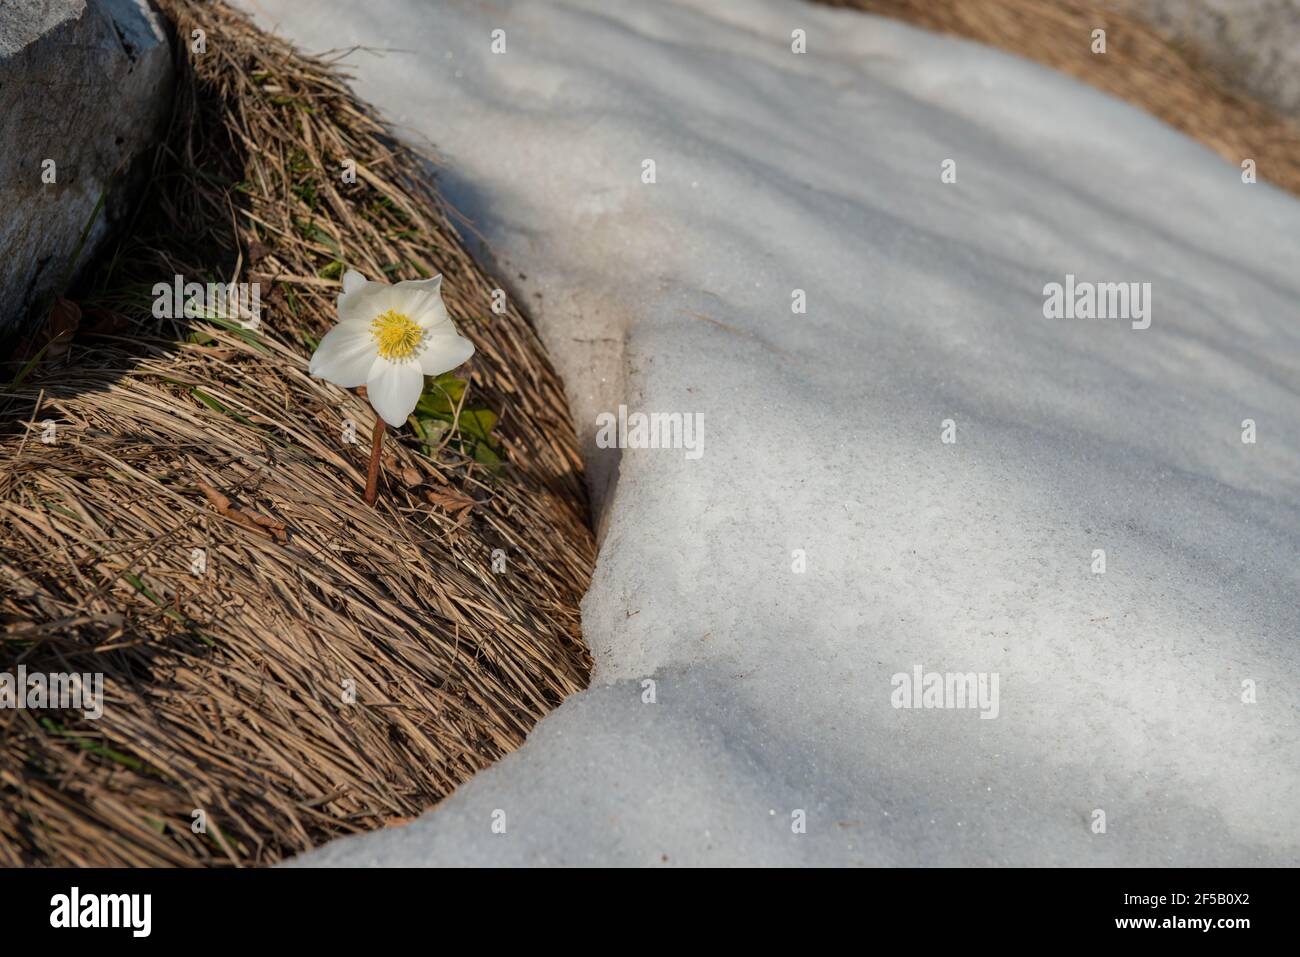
84, 84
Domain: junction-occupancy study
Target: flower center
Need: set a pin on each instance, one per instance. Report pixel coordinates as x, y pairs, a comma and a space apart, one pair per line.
397, 336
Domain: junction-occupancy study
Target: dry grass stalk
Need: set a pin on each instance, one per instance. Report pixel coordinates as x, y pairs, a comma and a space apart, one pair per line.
224, 690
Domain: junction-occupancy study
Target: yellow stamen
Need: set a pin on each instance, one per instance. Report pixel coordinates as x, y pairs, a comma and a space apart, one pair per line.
396, 335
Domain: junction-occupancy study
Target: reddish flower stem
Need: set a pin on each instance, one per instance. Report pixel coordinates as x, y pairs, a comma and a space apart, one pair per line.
377, 443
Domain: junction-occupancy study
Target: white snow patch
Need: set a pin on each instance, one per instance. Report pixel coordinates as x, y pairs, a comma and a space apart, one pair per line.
776, 171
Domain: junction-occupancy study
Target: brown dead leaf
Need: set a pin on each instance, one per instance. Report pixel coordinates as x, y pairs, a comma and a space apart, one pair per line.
449, 501
260, 524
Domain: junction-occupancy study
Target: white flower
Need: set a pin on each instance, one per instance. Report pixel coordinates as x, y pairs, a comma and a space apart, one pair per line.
388, 339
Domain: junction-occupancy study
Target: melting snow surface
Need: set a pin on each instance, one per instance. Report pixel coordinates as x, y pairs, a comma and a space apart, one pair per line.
823, 441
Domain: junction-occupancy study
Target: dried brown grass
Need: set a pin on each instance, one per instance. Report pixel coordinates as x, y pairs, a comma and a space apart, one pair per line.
1154, 72
224, 691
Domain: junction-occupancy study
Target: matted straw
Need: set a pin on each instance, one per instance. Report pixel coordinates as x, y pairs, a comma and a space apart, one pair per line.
282, 663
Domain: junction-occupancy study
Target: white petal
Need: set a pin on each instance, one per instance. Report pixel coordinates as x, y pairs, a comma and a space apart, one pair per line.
431, 315
393, 389
366, 302
345, 355
444, 352
433, 285
353, 280
421, 299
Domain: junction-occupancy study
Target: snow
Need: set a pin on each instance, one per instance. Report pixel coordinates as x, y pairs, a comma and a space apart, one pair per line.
1120, 691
